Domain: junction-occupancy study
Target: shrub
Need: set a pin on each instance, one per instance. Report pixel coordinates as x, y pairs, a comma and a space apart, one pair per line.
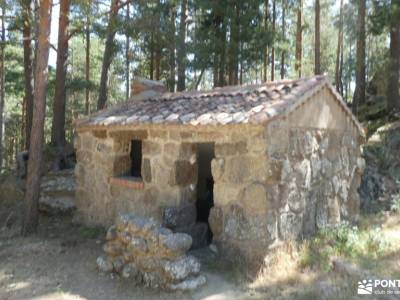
342, 240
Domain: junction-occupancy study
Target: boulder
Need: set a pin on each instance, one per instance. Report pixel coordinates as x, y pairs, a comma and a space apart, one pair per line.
178, 217
63, 205
199, 232
11, 189
104, 264
181, 268
189, 284
376, 190
176, 243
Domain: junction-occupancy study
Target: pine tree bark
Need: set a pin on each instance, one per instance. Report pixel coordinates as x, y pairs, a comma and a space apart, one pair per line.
127, 58
31, 199
60, 93
266, 52
28, 84
109, 52
299, 38
181, 51
393, 98
273, 41
234, 47
151, 63
157, 50
2, 87
284, 37
172, 63
317, 62
87, 65
222, 39
339, 50
359, 92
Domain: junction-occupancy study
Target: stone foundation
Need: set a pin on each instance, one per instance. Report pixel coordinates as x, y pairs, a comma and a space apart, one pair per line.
146, 253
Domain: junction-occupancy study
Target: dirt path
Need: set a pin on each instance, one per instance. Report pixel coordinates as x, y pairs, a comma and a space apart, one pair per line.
59, 263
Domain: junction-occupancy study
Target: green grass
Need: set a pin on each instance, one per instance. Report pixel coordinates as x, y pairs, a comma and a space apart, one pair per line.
343, 240
92, 232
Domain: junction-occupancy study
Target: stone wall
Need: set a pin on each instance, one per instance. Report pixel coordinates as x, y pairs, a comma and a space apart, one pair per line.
141, 250
298, 176
169, 170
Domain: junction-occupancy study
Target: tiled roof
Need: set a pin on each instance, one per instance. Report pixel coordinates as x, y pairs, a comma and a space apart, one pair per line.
227, 105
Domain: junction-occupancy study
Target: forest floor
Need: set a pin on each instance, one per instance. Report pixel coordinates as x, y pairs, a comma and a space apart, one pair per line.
59, 263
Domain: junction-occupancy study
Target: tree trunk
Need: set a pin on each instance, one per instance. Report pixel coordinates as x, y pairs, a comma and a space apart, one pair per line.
317, 63
234, 47
266, 53
172, 51
2, 87
87, 66
299, 38
393, 98
58, 124
31, 201
182, 48
273, 41
359, 92
109, 52
222, 39
28, 87
151, 64
338, 77
127, 58
157, 50
284, 37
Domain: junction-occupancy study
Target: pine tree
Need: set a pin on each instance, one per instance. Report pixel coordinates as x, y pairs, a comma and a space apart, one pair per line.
359, 92
31, 199
58, 122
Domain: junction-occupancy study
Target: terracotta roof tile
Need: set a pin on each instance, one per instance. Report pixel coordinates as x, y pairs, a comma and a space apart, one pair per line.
226, 105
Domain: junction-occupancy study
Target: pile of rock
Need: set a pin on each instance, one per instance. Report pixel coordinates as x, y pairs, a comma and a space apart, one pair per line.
149, 254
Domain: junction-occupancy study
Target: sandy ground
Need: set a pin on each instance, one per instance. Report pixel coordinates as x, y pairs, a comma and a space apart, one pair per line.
59, 263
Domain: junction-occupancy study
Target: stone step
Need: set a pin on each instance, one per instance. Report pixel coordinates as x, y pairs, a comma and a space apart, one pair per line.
63, 205
59, 183
62, 173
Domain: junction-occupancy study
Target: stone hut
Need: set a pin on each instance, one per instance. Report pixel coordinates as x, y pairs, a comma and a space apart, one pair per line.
243, 167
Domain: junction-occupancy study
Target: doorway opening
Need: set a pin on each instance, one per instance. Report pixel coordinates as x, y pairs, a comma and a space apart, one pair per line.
205, 188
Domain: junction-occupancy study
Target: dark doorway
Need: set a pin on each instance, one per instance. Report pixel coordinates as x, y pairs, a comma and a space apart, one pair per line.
205, 185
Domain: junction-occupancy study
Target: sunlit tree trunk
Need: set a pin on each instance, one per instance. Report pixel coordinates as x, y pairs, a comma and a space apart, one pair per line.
109, 52
31, 199
28, 84
273, 42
